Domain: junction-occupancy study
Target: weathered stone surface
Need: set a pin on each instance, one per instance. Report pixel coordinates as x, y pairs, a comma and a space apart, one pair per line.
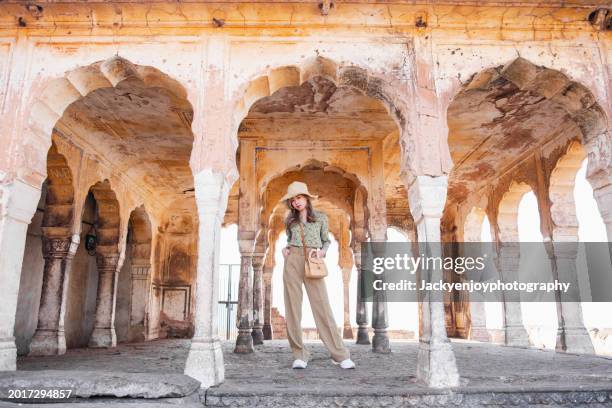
88, 384
491, 374
127, 403
471, 400
520, 71
500, 376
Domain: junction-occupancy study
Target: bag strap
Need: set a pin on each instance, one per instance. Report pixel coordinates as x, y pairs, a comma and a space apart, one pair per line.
303, 240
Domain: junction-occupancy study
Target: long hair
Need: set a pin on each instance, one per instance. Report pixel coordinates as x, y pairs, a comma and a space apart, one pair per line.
294, 215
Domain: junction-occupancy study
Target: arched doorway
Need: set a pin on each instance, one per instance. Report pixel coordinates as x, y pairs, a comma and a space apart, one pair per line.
134, 281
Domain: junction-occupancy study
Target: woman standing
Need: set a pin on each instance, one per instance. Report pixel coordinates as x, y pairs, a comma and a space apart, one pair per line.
316, 240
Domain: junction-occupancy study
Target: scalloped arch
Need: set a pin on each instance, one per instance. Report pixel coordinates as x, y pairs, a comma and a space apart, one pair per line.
78, 83
507, 213
352, 76
387, 90
576, 99
312, 164
108, 229
561, 193
60, 198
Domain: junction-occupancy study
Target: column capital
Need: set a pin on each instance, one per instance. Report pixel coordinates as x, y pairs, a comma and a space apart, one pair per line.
211, 192
427, 197
257, 260
107, 262
18, 200
602, 191
565, 250
246, 245
565, 234
56, 247
600, 179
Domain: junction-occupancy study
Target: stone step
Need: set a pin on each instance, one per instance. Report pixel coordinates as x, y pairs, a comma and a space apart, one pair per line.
184, 402
464, 399
101, 384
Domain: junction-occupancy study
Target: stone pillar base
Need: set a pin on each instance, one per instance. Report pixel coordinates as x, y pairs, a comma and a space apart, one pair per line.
480, 334
258, 336
244, 342
436, 365
47, 343
152, 334
516, 336
103, 337
574, 340
362, 336
8, 354
267, 332
380, 342
347, 332
205, 362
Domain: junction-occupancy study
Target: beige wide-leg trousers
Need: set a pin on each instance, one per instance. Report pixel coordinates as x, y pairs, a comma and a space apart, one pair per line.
293, 277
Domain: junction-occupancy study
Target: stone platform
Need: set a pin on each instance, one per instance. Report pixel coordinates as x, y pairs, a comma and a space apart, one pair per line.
491, 375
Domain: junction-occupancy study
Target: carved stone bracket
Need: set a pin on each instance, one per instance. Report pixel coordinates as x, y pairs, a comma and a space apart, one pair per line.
56, 247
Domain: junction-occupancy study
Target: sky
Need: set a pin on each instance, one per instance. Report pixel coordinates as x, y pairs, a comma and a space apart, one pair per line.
539, 318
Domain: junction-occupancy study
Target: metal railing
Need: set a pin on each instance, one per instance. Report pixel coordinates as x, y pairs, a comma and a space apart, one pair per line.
229, 277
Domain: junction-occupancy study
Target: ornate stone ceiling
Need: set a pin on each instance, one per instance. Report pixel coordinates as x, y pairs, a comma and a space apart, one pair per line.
318, 110
492, 129
144, 131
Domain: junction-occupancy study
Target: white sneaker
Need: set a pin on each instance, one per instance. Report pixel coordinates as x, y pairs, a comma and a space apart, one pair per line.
346, 364
299, 364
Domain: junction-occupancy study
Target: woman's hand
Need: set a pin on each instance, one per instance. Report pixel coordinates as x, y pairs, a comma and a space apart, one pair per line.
285, 252
319, 253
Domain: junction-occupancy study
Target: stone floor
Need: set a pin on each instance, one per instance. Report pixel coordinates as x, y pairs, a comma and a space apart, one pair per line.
166, 355
264, 378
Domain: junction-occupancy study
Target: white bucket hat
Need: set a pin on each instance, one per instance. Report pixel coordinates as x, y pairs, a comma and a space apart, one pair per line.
297, 188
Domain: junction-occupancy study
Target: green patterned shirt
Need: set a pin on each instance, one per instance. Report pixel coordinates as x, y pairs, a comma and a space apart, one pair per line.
316, 234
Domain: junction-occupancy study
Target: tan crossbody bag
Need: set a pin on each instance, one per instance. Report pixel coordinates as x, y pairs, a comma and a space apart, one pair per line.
314, 268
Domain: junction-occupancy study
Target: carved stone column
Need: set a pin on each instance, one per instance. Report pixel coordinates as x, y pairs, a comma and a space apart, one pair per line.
247, 233
380, 340
49, 337
478, 324
244, 341
378, 233
361, 310
560, 207
141, 270
103, 334
347, 332
509, 260
18, 202
258, 318
436, 364
572, 335
152, 309
205, 358
602, 191
267, 309
478, 318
